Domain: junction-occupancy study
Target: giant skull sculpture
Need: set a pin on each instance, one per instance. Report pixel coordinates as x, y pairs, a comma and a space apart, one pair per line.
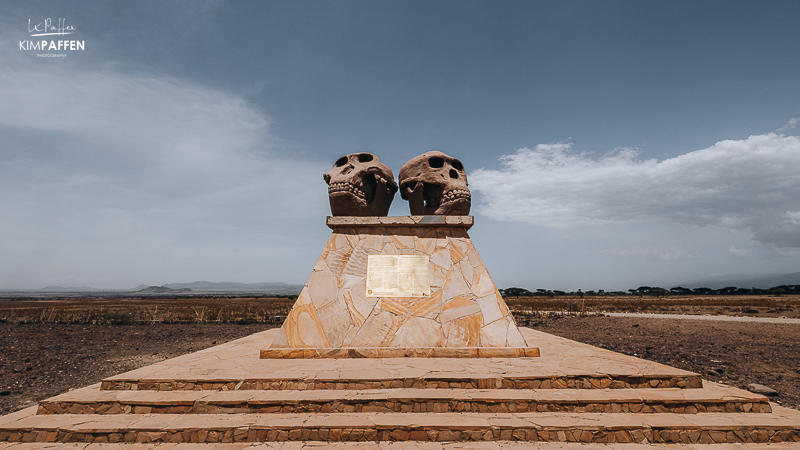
360, 185
435, 183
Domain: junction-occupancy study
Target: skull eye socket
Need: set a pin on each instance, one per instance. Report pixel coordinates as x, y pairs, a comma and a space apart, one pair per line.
341, 161
457, 164
364, 157
436, 162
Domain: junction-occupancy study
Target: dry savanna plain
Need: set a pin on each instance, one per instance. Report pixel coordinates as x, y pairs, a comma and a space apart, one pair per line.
51, 345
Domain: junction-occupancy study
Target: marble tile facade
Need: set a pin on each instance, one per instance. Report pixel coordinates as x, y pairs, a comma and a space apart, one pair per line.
464, 309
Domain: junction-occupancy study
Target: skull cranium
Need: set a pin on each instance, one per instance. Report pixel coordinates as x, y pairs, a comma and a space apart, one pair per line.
435, 184
360, 185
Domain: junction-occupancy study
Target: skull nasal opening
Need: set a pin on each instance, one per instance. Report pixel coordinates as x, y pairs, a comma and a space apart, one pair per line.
453, 174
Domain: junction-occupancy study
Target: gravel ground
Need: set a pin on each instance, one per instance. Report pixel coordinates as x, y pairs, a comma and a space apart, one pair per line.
733, 353
42, 360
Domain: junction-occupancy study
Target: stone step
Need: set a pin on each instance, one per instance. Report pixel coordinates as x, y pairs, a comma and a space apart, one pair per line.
563, 364
432, 381
782, 425
712, 398
393, 445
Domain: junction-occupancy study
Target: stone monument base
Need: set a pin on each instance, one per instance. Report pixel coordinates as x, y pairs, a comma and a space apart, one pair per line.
412, 286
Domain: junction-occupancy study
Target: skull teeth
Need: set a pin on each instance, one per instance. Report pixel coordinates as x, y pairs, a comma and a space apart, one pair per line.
346, 186
455, 194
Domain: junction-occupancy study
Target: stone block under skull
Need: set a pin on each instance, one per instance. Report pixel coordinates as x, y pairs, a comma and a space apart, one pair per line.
360, 185
435, 183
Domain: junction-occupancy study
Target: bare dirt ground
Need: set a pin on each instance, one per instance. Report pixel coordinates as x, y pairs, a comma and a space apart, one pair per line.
38, 361
733, 353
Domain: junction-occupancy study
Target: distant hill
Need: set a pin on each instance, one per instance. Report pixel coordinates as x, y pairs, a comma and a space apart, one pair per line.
271, 288
161, 290
747, 281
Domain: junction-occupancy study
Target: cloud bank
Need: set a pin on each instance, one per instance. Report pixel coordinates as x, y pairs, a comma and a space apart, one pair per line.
113, 178
752, 184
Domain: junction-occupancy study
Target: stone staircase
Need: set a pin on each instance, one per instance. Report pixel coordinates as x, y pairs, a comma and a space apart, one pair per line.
573, 394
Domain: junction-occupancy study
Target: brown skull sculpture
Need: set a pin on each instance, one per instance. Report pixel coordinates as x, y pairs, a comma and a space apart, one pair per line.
360, 185
435, 184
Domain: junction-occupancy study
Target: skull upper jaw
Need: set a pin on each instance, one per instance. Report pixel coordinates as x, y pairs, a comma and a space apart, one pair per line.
425, 199
370, 196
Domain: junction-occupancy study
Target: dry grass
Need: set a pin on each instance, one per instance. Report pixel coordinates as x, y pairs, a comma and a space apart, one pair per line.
526, 308
241, 310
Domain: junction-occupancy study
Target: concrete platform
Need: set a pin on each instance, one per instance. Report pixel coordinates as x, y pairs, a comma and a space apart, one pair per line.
573, 396
563, 364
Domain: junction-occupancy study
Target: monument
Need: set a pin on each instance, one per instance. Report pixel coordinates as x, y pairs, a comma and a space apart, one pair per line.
400, 335
399, 286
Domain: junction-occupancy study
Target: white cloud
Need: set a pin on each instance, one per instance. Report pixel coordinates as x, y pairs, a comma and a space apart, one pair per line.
108, 178
650, 251
735, 184
790, 125
738, 252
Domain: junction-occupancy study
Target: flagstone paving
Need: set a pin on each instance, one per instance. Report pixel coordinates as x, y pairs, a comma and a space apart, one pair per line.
573, 396
564, 364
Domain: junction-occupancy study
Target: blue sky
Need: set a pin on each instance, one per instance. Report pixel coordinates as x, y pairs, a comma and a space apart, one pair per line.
608, 144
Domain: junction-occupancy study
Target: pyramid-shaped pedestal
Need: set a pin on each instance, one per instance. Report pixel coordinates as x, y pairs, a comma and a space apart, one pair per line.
449, 307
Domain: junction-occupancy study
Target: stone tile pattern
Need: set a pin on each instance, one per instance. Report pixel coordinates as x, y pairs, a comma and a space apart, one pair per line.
389, 406
465, 308
565, 364
389, 445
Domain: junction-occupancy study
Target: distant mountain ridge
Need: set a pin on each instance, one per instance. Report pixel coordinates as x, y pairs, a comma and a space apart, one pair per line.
278, 288
70, 289
162, 290
763, 281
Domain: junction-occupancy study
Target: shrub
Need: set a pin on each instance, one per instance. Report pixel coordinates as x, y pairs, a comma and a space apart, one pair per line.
120, 318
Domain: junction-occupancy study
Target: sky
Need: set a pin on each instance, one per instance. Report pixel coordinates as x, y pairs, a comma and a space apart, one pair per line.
608, 145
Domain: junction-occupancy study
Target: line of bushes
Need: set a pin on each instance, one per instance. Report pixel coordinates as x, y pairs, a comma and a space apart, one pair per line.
656, 291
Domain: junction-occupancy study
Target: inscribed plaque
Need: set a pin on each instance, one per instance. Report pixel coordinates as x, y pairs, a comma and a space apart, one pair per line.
398, 276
